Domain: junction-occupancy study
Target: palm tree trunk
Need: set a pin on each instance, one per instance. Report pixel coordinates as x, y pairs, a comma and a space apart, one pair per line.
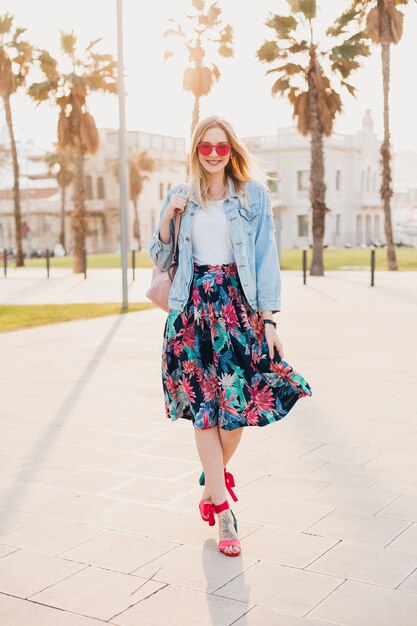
16, 190
386, 189
78, 217
196, 113
317, 186
62, 232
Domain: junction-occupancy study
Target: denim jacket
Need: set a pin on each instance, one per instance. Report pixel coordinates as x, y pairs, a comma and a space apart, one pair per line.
253, 239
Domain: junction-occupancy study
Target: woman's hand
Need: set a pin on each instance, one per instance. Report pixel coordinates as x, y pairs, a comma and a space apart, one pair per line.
273, 341
177, 201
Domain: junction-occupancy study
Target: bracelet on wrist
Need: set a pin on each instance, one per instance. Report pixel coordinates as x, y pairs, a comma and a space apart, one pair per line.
268, 321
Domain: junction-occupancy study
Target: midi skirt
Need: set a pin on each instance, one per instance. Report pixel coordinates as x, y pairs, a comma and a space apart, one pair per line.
216, 369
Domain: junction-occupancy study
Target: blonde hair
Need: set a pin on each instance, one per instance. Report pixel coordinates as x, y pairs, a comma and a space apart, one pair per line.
241, 166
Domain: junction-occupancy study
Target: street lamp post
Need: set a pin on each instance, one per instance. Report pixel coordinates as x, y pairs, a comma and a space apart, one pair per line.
123, 169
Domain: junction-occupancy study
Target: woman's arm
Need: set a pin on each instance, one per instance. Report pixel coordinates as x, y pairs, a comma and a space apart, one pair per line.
161, 245
268, 272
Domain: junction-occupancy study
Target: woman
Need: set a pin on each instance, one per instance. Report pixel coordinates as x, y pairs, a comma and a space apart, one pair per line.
222, 360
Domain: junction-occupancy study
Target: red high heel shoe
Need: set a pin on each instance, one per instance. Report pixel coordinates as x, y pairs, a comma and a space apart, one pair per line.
224, 543
204, 505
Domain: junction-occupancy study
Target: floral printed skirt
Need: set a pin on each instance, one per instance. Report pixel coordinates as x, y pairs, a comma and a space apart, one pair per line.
216, 368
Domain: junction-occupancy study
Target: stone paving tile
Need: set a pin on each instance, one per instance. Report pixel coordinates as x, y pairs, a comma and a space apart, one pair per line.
200, 569
177, 606
345, 474
49, 536
73, 506
354, 455
191, 530
12, 519
118, 551
258, 616
286, 488
356, 499
93, 481
97, 592
401, 481
18, 612
409, 584
359, 527
5, 550
281, 588
404, 507
364, 563
121, 442
24, 573
169, 469
406, 541
283, 514
285, 547
150, 490
359, 604
141, 519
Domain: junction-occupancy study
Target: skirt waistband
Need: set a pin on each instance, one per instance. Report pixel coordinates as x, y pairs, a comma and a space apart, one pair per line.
209, 267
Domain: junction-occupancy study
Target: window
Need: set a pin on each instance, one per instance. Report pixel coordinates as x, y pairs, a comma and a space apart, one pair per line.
368, 178
303, 180
302, 225
338, 225
100, 188
338, 180
161, 191
88, 187
169, 186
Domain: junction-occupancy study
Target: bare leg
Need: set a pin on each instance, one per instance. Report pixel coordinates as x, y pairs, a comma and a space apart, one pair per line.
210, 450
230, 440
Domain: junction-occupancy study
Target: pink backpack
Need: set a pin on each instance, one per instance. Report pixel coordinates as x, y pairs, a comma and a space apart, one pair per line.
161, 282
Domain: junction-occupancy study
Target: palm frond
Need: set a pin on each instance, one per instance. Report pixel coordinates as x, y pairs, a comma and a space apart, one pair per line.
269, 51
68, 43
307, 7
6, 23
282, 24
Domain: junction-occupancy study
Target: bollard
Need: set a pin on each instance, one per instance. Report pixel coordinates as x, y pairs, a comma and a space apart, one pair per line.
47, 262
133, 262
372, 267
304, 267
5, 262
85, 262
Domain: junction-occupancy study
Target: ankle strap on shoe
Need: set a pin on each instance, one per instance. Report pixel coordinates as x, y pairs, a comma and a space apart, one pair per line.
230, 482
221, 507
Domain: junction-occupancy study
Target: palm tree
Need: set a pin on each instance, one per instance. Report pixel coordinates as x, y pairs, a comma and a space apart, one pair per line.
202, 29
140, 164
61, 164
16, 57
384, 24
77, 132
305, 67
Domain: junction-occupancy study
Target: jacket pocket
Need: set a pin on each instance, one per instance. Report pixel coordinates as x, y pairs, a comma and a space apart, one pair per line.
250, 214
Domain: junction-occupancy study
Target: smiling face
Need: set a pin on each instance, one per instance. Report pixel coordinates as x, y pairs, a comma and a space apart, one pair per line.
213, 163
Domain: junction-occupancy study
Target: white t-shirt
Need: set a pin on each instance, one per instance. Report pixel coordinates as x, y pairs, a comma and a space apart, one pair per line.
210, 236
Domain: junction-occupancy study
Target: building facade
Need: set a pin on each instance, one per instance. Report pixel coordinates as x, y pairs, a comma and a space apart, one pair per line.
352, 186
41, 197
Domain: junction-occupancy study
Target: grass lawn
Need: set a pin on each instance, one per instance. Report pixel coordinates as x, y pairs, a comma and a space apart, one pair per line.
14, 317
353, 258
291, 259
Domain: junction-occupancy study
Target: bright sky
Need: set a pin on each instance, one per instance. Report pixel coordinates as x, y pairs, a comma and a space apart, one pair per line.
155, 99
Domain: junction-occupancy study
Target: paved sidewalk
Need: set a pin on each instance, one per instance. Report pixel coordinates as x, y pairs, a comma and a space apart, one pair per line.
99, 520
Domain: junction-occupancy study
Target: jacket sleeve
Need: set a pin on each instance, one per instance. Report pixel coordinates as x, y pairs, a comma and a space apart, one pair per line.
161, 253
268, 271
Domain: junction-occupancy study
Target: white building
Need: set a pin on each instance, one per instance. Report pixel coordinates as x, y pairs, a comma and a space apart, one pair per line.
352, 186
41, 200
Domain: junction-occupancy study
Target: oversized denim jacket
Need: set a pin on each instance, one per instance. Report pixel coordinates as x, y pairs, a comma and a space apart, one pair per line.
255, 249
